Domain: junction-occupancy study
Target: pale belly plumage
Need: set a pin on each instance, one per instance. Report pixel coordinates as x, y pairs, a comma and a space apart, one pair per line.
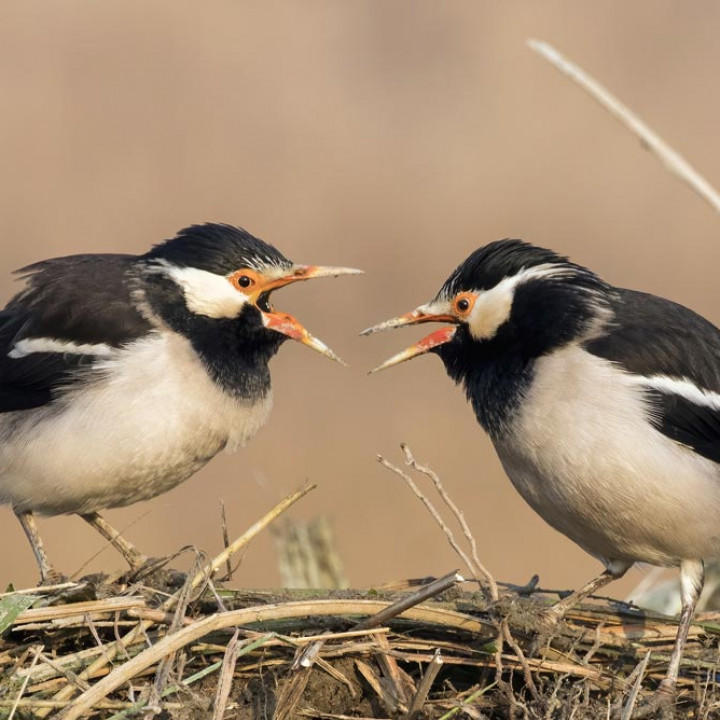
609, 481
144, 425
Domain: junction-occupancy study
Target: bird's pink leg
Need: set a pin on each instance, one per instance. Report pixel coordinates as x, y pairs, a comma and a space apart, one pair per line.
48, 574
133, 556
692, 579
614, 572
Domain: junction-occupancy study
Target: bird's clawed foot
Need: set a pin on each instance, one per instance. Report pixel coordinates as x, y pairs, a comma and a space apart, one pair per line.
136, 560
152, 567
50, 576
660, 705
549, 619
148, 567
544, 627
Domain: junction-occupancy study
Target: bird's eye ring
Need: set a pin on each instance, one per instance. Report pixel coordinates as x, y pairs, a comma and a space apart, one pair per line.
244, 279
463, 303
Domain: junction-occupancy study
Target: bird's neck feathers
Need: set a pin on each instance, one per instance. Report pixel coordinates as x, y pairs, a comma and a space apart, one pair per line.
493, 380
546, 314
235, 350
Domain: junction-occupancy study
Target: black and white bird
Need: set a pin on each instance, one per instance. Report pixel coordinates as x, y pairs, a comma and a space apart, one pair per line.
122, 375
603, 405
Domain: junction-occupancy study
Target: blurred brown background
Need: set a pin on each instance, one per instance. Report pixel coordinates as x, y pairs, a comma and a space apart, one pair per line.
395, 136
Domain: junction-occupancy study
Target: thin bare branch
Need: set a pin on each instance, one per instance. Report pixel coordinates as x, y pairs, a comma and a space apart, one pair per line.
399, 606
671, 160
478, 573
527, 673
629, 708
219, 560
459, 516
226, 541
38, 652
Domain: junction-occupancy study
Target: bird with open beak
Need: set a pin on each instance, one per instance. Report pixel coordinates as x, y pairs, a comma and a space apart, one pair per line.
122, 375
603, 405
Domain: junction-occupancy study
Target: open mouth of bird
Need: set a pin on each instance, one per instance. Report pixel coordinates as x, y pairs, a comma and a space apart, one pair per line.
285, 323
263, 302
434, 340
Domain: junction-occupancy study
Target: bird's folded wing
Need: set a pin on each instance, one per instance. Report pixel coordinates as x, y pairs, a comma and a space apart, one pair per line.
73, 312
687, 421
673, 354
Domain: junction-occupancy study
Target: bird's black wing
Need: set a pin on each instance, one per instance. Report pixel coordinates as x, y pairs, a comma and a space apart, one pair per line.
84, 303
687, 422
655, 338
81, 298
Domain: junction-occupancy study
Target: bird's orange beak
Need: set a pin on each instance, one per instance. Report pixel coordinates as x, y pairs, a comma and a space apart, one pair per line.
432, 312
285, 323
304, 272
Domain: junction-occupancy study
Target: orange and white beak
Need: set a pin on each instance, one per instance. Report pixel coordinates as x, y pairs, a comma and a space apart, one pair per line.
437, 311
288, 325
284, 323
302, 272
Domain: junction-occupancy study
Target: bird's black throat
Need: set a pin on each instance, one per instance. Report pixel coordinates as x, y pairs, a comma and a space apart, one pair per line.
235, 351
497, 371
494, 378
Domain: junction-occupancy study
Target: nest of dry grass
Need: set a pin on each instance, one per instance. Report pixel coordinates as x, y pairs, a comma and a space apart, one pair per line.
118, 651
189, 649
186, 646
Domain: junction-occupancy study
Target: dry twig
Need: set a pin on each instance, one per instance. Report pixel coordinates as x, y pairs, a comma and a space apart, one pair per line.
226, 541
415, 598
226, 677
423, 688
479, 568
478, 571
639, 673
170, 603
21, 692
671, 160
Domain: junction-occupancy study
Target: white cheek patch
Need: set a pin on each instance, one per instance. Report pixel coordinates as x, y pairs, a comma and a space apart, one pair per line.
208, 294
492, 307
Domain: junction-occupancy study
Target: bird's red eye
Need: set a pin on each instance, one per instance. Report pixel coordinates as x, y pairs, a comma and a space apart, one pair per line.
463, 303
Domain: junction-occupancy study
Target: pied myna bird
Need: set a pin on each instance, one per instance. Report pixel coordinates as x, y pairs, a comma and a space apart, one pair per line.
122, 375
603, 405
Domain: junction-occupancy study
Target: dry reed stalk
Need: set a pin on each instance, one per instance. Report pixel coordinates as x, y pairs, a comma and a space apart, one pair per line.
91, 607
671, 160
246, 616
169, 604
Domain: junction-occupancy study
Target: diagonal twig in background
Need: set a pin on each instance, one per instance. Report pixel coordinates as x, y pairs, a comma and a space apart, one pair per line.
672, 160
478, 571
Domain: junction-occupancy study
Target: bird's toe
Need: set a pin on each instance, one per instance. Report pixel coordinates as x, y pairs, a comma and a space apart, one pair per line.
660, 705
50, 576
548, 620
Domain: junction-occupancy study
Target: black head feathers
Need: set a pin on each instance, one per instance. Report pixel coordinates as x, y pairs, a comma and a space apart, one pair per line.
217, 248
490, 264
